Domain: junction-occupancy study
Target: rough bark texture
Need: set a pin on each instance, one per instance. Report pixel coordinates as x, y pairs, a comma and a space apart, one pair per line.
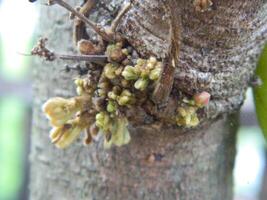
218, 54
218, 49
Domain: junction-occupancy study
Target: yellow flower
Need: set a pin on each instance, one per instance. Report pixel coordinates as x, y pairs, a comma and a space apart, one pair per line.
60, 108
63, 136
119, 133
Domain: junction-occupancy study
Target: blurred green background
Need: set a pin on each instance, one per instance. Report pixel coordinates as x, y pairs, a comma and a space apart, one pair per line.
17, 36
18, 20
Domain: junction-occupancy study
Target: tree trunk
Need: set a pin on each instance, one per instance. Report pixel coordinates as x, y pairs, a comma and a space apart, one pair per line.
218, 53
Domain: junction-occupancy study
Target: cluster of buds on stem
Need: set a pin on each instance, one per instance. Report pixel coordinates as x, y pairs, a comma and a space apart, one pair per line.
187, 112
143, 72
187, 116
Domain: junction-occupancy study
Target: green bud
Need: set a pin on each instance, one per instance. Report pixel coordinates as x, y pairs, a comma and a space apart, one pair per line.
194, 121
181, 111
112, 106
144, 73
187, 120
152, 60
187, 116
124, 100
115, 53
125, 52
101, 92
119, 71
126, 93
150, 65
103, 85
129, 73
141, 84
140, 61
78, 82
191, 110
79, 90
109, 71
102, 120
112, 95
155, 74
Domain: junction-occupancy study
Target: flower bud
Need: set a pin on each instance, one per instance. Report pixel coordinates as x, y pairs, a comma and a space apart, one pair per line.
112, 95
109, 71
119, 71
144, 72
115, 53
86, 47
101, 92
194, 121
124, 100
125, 51
202, 99
150, 65
111, 107
187, 116
78, 82
141, 84
60, 108
119, 133
155, 74
126, 93
140, 61
102, 120
79, 90
181, 111
63, 136
202, 5
152, 60
129, 73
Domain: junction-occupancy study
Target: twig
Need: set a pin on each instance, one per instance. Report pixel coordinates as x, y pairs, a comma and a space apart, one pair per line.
41, 50
122, 12
97, 28
79, 30
88, 58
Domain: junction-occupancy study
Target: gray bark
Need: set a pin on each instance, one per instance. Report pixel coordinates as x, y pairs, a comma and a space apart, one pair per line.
219, 49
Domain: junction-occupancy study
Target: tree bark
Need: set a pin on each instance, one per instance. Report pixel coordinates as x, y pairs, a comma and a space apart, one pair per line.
219, 50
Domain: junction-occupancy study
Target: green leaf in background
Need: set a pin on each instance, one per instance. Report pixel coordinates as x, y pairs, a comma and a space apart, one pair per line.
260, 92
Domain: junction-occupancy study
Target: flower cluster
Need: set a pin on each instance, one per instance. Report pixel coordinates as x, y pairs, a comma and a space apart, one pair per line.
98, 108
143, 72
101, 102
120, 80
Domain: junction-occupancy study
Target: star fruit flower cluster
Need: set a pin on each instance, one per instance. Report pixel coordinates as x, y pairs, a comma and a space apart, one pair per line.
99, 108
126, 80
